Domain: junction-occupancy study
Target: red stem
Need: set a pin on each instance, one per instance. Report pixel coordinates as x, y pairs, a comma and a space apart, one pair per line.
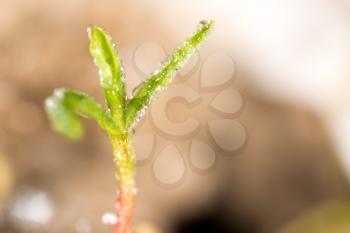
125, 209
124, 158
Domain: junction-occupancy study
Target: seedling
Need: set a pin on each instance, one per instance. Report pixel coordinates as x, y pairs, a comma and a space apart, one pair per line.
65, 106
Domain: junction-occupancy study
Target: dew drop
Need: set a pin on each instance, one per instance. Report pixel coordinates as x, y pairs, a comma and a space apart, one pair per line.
191, 65
135, 190
59, 92
50, 102
89, 30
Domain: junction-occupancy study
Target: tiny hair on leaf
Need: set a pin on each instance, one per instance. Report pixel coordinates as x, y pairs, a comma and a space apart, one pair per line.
65, 107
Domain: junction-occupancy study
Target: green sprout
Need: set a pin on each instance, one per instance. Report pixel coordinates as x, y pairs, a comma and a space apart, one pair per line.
65, 106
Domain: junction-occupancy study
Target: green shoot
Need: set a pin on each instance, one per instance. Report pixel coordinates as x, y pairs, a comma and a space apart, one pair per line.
65, 106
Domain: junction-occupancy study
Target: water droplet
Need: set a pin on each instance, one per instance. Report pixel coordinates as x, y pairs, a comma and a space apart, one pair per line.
228, 102
89, 30
201, 155
135, 190
59, 93
169, 166
109, 218
191, 65
229, 135
50, 102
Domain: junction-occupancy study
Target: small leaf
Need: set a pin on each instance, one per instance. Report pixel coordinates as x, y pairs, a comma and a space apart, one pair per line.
110, 70
64, 106
163, 75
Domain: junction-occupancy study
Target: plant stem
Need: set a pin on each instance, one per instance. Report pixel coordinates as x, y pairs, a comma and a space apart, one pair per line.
65, 105
124, 160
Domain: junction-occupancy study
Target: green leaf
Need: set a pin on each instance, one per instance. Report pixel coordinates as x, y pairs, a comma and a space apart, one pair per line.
110, 70
64, 108
163, 75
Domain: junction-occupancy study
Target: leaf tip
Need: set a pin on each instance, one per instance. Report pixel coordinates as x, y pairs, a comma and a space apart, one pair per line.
206, 25
94, 32
90, 29
61, 118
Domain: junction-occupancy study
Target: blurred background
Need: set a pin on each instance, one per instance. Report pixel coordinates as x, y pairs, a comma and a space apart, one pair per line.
252, 137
